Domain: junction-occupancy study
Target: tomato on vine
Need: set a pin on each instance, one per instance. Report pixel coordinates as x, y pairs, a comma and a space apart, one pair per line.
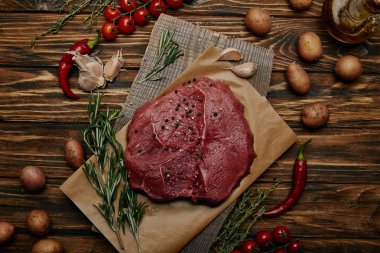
294, 247
141, 16
157, 7
127, 25
110, 31
144, 1
264, 239
281, 235
174, 4
249, 246
279, 250
112, 13
128, 5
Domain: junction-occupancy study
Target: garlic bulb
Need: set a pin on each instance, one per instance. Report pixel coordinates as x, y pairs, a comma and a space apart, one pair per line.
113, 66
245, 70
230, 54
90, 72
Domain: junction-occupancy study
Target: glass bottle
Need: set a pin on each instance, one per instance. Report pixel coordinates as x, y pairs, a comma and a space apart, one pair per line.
351, 21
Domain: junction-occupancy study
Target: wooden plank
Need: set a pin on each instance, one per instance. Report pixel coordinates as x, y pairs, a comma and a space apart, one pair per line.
92, 243
72, 243
16, 51
349, 156
325, 210
34, 95
203, 8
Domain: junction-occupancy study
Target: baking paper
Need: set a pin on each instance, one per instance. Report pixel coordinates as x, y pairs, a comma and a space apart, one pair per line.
167, 228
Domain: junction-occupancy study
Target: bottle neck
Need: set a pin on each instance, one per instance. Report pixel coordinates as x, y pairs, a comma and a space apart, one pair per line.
360, 10
374, 6
358, 14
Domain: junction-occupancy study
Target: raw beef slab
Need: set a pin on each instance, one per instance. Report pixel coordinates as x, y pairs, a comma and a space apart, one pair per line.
193, 142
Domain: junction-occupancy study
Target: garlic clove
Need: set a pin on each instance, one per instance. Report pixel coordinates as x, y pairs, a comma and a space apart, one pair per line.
90, 72
245, 70
113, 66
230, 54
83, 60
95, 69
88, 82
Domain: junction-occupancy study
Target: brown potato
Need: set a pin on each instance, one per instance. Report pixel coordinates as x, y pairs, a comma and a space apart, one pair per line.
300, 5
7, 231
257, 21
315, 115
38, 222
74, 153
298, 79
310, 47
348, 68
32, 179
47, 246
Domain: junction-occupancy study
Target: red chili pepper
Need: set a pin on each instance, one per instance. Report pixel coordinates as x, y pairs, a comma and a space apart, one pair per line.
84, 46
299, 181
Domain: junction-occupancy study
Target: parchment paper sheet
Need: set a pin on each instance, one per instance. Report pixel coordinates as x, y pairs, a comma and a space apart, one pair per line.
166, 228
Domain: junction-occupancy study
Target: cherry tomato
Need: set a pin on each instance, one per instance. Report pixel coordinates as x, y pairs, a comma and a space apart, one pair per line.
112, 13
157, 7
174, 4
144, 1
264, 239
236, 251
109, 31
141, 16
279, 250
281, 235
294, 247
249, 246
128, 5
126, 25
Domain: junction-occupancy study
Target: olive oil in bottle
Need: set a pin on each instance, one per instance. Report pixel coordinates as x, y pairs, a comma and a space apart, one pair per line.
351, 21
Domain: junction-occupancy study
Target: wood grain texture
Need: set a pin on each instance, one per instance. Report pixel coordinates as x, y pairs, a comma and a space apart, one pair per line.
16, 50
202, 7
339, 211
34, 95
315, 210
92, 243
333, 158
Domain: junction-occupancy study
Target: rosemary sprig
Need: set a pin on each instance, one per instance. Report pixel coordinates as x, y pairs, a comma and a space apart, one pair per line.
234, 231
77, 7
109, 172
168, 51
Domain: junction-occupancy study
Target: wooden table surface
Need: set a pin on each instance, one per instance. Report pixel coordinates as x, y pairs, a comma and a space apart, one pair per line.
339, 210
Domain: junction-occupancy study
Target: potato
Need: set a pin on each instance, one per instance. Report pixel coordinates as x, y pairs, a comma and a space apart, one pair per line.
47, 246
298, 79
310, 47
38, 222
74, 153
257, 21
315, 115
7, 231
32, 179
348, 68
300, 5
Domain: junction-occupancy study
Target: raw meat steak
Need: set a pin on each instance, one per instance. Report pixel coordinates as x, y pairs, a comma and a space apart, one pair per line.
194, 142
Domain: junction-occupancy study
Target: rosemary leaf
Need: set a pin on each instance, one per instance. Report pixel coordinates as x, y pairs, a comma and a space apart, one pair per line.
168, 51
247, 212
60, 23
109, 172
